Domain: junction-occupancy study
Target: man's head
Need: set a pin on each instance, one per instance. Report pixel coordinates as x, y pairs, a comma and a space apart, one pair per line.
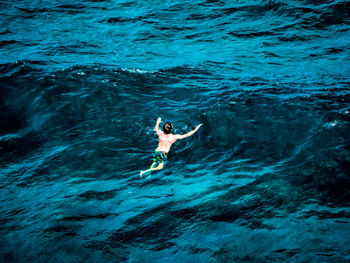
168, 128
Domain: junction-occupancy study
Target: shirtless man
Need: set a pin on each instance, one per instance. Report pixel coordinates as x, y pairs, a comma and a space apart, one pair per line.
166, 139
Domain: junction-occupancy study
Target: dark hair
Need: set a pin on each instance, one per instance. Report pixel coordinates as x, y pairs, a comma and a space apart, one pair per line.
168, 128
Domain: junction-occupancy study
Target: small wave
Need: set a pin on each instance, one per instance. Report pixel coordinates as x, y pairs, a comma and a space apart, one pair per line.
8, 42
138, 71
5, 32
33, 11
113, 20
252, 34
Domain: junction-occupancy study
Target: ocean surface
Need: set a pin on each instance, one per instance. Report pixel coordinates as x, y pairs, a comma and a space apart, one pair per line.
265, 179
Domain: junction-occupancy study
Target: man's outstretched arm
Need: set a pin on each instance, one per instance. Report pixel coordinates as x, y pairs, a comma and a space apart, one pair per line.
183, 136
156, 128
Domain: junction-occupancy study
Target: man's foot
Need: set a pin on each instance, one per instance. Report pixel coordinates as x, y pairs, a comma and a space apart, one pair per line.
141, 173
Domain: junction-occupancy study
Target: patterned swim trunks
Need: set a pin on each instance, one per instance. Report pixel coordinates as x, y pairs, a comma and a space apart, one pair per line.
160, 157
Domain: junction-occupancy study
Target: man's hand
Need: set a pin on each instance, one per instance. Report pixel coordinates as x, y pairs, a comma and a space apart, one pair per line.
156, 128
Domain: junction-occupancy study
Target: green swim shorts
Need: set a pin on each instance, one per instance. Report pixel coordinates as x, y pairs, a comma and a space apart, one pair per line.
160, 157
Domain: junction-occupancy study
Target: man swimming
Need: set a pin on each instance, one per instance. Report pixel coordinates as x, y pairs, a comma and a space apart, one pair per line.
166, 139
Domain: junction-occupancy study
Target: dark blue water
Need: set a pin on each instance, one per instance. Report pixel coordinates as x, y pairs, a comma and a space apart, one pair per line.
266, 179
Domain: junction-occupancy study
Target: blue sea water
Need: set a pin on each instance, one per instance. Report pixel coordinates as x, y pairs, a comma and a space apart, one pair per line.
265, 179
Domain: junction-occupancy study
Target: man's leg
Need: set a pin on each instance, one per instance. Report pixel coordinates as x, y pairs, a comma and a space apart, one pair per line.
159, 167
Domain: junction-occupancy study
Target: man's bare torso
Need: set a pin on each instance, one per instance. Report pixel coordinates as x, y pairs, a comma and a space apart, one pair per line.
165, 141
